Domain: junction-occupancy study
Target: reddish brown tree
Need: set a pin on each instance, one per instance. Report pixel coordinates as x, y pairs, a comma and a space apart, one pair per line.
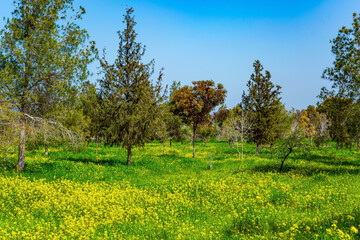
194, 104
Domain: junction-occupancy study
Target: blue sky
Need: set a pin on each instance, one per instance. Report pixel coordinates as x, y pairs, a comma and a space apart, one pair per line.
220, 40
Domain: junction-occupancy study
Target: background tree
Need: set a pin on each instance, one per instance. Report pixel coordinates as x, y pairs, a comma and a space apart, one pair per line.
174, 124
41, 46
194, 104
130, 100
337, 111
220, 116
263, 105
237, 127
354, 123
307, 126
91, 102
207, 131
285, 122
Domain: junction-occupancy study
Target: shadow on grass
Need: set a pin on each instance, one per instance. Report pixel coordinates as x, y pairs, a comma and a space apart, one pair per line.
307, 170
330, 160
105, 162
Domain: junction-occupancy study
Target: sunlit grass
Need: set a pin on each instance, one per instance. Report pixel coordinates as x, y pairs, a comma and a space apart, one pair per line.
172, 196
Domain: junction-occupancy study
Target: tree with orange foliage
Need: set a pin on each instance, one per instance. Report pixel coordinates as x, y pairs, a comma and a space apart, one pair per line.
194, 104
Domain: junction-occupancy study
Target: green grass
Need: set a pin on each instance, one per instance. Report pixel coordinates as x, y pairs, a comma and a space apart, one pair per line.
172, 196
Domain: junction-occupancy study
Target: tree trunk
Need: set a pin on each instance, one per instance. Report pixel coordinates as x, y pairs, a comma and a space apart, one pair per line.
96, 143
21, 159
46, 149
170, 143
282, 162
357, 143
129, 155
242, 149
194, 138
237, 148
257, 148
163, 147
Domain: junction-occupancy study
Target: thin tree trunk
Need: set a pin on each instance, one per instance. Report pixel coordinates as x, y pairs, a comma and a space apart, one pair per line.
129, 155
237, 148
21, 158
163, 147
194, 138
242, 149
170, 143
24, 105
96, 143
357, 143
257, 148
46, 149
282, 162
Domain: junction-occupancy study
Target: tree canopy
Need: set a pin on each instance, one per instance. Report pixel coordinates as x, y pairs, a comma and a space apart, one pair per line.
195, 103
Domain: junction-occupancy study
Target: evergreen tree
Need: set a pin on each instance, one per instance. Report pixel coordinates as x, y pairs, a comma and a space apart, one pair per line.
130, 101
41, 46
263, 105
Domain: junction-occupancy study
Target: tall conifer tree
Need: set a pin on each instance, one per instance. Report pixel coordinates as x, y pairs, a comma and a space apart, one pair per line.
131, 101
263, 105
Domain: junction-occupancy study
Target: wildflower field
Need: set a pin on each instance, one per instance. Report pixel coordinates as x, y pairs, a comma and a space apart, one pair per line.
171, 196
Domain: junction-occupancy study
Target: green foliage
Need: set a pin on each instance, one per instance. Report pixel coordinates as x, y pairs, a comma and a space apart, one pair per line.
262, 102
345, 78
130, 101
337, 111
285, 123
354, 122
8, 130
345, 74
44, 52
207, 132
91, 102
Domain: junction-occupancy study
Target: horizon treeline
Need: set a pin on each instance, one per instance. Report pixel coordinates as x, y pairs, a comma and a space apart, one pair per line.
47, 100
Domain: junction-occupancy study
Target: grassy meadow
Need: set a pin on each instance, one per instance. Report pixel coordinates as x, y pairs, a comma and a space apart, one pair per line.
171, 196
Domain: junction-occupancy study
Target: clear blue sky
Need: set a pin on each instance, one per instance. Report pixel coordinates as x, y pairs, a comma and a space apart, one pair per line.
219, 40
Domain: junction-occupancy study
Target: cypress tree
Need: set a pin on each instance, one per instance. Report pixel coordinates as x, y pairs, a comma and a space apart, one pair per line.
263, 105
130, 100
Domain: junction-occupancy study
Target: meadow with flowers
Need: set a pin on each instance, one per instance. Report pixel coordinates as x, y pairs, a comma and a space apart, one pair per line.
169, 195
